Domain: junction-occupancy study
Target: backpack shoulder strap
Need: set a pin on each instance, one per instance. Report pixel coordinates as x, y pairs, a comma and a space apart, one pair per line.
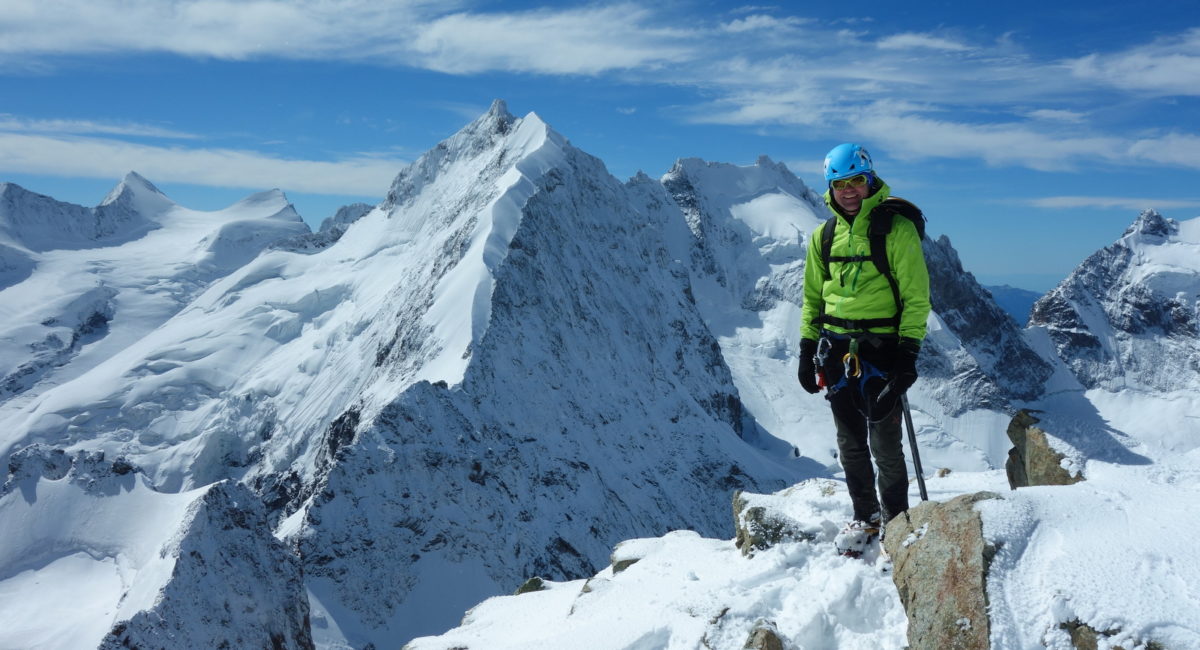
827, 242
882, 218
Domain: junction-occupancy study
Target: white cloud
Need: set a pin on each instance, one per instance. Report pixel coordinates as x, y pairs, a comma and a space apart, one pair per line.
18, 124
1168, 66
1110, 202
1174, 150
997, 144
586, 41
914, 41
748, 108
758, 69
1056, 115
1021, 144
421, 33
761, 22
753, 9
110, 159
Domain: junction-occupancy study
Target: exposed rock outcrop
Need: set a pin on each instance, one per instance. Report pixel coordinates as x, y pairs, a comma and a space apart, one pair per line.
759, 527
1084, 637
764, 637
1033, 460
531, 585
940, 562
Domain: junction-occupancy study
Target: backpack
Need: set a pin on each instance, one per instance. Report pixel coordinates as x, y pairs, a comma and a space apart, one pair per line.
881, 226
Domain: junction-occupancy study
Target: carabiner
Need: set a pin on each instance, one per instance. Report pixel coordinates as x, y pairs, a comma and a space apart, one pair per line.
823, 347
851, 365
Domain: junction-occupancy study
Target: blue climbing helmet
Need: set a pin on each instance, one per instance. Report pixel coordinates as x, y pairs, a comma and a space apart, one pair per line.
846, 160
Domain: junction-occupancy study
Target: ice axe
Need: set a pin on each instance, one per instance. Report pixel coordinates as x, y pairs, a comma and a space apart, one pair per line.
912, 442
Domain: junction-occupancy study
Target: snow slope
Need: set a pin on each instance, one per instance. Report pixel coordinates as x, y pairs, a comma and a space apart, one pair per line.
1099, 552
101, 279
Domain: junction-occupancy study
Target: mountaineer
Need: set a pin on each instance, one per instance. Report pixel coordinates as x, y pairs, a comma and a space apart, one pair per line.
866, 300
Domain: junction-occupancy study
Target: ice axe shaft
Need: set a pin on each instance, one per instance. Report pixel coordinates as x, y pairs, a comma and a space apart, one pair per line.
912, 442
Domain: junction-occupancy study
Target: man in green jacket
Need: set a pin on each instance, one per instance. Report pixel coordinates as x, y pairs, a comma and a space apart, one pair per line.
861, 332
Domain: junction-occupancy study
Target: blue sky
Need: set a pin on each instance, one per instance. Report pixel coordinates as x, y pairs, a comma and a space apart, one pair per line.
1032, 133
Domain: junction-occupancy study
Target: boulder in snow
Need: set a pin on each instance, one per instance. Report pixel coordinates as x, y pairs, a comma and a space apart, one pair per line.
1033, 460
760, 527
941, 561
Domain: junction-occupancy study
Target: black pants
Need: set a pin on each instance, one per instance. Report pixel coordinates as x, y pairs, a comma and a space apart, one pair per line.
868, 427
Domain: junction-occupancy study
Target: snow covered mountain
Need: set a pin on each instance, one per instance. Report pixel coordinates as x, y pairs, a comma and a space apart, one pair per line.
1126, 323
85, 283
513, 363
1128, 316
500, 371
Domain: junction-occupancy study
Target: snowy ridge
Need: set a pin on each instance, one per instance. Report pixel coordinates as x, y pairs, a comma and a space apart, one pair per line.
595, 406
687, 591
39, 223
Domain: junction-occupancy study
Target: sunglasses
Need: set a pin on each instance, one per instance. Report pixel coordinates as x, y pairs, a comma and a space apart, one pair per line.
853, 181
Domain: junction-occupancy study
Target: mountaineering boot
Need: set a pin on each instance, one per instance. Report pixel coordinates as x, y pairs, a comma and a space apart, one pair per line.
858, 535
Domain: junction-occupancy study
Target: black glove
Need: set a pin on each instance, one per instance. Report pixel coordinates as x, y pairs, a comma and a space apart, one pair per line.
899, 380
807, 373
904, 370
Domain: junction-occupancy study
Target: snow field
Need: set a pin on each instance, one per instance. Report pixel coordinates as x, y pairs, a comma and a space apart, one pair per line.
686, 591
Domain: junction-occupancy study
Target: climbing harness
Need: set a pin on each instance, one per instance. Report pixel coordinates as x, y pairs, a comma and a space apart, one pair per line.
853, 367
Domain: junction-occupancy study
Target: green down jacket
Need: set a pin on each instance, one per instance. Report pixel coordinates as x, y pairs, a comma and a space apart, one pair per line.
857, 290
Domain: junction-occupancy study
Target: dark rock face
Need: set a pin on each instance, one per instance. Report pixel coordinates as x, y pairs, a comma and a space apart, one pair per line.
765, 637
1032, 460
940, 569
233, 586
91, 471
1000, 366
